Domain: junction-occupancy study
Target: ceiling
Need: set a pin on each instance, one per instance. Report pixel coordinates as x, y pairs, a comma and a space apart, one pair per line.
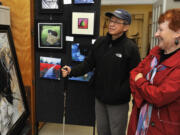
126, 2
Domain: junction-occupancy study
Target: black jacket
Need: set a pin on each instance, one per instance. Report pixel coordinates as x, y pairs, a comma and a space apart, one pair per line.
112, 60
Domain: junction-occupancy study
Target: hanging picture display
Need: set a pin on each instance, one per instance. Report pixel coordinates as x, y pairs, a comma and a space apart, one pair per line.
13, 106
63, 35
50, 6
83, 23
83, 1
50, 68
50, 35
79, 52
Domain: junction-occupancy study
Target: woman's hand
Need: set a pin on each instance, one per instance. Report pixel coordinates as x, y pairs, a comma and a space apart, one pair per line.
138, 76
65, 71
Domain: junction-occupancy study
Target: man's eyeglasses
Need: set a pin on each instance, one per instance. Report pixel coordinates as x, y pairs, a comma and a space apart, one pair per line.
116, 22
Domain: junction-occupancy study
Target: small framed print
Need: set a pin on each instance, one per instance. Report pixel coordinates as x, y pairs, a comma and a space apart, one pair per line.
50, 6
50, 35
83, 23
50, 68
83, 1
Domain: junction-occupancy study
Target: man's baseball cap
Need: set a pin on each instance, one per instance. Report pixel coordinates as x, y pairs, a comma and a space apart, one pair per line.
121, 14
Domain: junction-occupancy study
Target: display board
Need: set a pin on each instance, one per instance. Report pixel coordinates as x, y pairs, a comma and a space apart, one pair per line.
64, 34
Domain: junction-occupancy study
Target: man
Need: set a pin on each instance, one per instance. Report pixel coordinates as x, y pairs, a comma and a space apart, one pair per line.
112, 57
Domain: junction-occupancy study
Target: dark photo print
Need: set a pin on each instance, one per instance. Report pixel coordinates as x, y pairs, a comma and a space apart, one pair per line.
50, 4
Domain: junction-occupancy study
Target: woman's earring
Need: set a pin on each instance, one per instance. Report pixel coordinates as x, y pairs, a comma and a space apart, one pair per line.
176, 42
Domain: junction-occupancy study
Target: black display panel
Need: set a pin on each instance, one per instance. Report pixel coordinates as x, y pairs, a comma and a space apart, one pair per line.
51, 93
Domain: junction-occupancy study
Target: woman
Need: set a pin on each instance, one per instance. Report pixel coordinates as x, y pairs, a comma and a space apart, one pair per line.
155, 83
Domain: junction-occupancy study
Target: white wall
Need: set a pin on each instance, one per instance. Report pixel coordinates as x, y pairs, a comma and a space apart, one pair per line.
4, 15
126, 2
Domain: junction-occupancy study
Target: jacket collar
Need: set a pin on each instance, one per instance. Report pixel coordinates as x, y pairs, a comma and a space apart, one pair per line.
171, 61
118, 40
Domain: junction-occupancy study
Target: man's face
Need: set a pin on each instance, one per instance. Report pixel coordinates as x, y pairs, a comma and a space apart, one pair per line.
117, 26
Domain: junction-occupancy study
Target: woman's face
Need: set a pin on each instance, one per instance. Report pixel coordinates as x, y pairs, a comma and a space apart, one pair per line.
165, 36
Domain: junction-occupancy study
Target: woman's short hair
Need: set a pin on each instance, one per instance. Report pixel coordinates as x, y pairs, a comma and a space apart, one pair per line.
173, 16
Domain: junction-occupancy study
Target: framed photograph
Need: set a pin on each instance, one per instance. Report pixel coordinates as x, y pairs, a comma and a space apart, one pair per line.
79, 52
50, 68
13, 104
83, 23
83, 1
50, 6
50, 35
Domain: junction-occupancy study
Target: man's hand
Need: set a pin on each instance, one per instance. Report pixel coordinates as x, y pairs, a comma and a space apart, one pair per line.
65, 71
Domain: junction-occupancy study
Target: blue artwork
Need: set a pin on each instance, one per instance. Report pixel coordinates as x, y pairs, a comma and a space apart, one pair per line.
83, 1
84, 78
77, 53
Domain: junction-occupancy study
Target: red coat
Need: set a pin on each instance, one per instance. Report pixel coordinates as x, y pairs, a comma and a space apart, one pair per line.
164, 94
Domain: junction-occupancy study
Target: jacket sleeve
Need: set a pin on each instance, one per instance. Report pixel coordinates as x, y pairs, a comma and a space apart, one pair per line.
163, 94
138, 99
89, 63
84, 67
134, 58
